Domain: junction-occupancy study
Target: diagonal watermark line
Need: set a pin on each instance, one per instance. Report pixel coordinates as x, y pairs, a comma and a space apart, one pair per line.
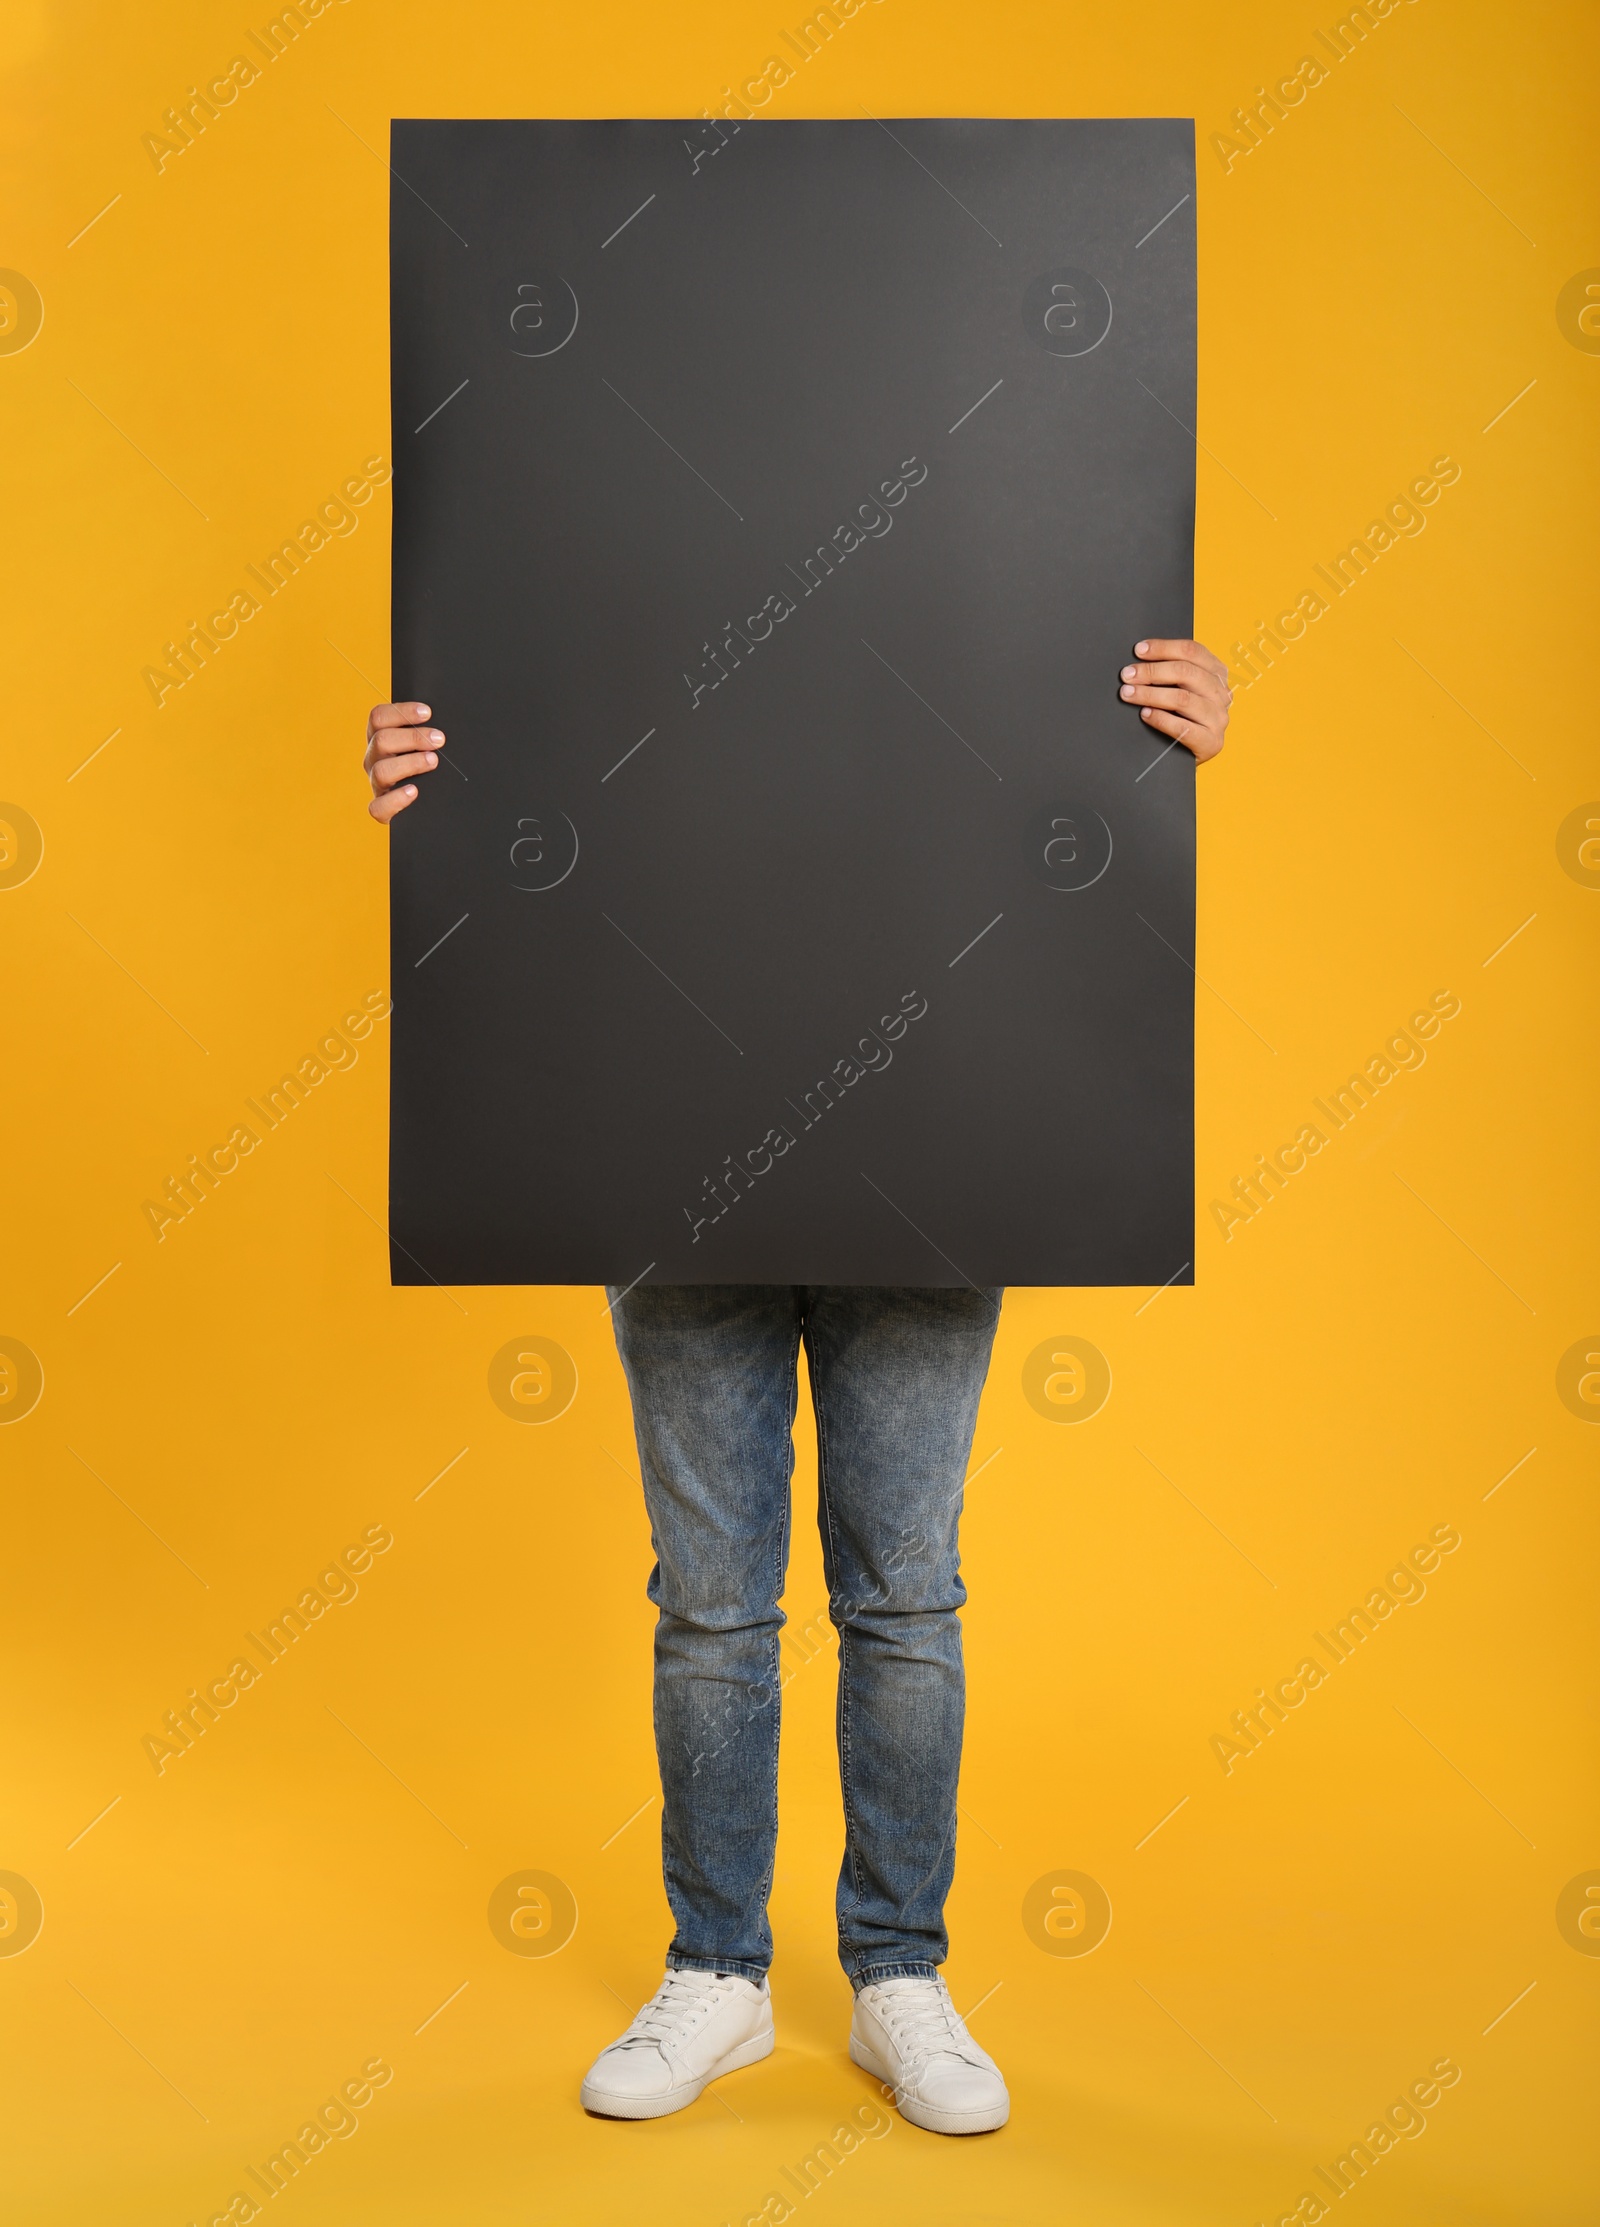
444, 405
389, 166
977, 939
354, 667
1160, 221
89, 1828
1511, 939
621, 1295
922, 1233
1511, 2006
954, 1495
1511, 405
1211, 986
433, 947
885, 1733
978, 405
623, 226
626, 755
447, 758
138, 2052
1460, 1240
445, 2005
398, 1780
1455, 166
1199, 2044
631, 1475
1160, 1821
1156, 760
678, 986
677, 452
89, 1294
627, 1821
1199, 1511
923, 701
1461, 1774
89, 761
967, 2016
132, 1511
1215, 458
138, 985
1460, 706
633, 2011
922, 166
138, 451
1160, 1288
449, 1465
1510, 1473
390, 1238
966, 1813
95, 219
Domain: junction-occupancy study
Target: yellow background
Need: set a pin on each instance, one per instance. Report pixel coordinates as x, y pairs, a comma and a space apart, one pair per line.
1362, 1362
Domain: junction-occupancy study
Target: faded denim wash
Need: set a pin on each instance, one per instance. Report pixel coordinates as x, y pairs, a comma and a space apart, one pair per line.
895, 1380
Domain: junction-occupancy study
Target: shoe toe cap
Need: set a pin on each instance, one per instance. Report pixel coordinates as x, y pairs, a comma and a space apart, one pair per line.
961, 2089
629, 2075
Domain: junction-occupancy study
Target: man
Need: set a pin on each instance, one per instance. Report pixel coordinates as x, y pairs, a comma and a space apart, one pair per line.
895, 1378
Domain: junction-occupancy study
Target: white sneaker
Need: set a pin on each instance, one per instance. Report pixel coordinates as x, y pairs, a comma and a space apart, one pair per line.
910, 2034
696, 2026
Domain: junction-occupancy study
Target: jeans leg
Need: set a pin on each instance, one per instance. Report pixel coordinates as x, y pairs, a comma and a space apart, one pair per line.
896, 1376
711, 1369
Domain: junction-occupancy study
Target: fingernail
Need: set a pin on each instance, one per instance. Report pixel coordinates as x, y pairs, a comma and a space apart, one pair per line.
1125, 692
434, 735
433, 757
411, 792
425, 711
1147, 713
1139, 648
1128, 673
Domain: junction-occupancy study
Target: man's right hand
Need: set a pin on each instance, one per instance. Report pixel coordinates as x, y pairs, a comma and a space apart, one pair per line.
400, 745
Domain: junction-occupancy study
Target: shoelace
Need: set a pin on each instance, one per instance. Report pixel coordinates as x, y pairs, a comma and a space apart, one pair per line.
673, 2011
926, 2025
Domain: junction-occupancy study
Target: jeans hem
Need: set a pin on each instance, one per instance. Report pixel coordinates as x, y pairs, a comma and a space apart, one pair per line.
880, 1972
755, 1973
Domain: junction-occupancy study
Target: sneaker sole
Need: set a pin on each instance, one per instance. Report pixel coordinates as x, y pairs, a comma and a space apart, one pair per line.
607, 2106
927, 2115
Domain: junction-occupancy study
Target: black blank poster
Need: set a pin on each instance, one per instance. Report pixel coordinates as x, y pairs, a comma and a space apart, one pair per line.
774, 509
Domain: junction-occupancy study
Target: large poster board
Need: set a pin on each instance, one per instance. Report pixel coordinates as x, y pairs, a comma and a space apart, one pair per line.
775, 505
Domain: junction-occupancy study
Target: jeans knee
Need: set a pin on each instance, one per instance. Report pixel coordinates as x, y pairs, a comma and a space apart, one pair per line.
919, 1579
906, 1619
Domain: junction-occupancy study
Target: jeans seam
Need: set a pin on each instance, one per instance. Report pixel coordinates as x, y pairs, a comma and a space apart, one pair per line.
777, 1704
778, 1576
903, 1968
850, 1831
742, 1967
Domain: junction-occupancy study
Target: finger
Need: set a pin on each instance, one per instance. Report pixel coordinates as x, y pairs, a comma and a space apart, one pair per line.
397, 741
388, 773
385, 808
1194, 653
1177, 672
387, 740
398, 715
1202, 740
1186, 700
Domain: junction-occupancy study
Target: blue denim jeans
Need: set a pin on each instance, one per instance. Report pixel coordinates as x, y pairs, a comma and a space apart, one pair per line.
895, 1379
